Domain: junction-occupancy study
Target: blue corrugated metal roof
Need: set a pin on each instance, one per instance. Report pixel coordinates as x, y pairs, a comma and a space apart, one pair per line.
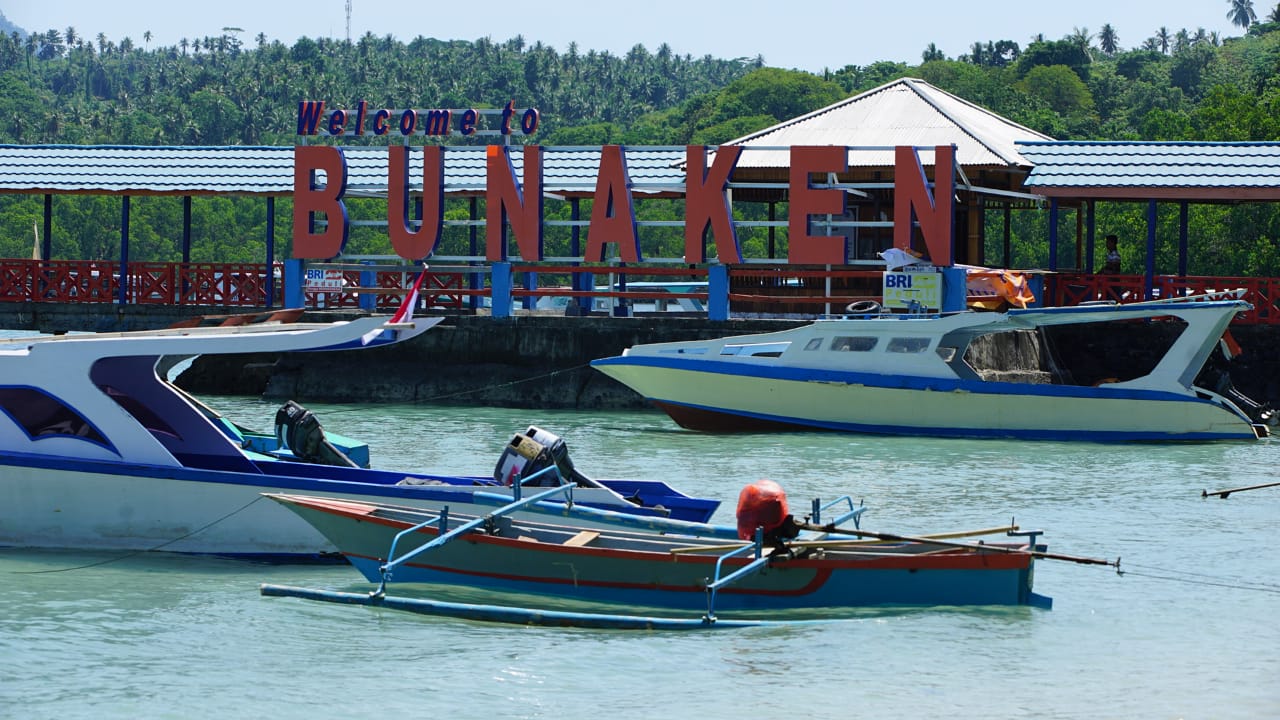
269, 170
1190, 170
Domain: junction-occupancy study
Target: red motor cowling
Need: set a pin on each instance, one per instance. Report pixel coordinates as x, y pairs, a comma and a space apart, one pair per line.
761, 504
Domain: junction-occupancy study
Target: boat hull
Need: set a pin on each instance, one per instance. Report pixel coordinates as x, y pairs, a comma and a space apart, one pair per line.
97, 506
704, 396
673, 581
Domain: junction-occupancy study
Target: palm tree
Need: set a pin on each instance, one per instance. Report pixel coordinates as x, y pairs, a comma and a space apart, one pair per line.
1241, 13
1163, 38
1275, 14
1108, 40
932, 53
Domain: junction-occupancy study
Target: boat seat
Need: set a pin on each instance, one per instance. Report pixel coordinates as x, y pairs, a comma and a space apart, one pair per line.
582, 538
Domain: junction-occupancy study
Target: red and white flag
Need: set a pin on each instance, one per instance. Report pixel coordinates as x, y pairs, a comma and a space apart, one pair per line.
404, 313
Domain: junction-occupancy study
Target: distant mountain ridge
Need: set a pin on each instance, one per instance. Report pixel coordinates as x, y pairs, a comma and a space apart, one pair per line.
7, 27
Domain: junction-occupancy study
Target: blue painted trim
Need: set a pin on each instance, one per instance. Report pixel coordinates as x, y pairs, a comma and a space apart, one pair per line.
954, 432
361, 481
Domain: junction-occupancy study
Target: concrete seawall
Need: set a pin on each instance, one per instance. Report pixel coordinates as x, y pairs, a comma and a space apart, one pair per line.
533, 361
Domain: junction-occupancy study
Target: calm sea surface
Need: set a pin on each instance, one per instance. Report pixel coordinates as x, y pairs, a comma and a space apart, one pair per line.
1190, 631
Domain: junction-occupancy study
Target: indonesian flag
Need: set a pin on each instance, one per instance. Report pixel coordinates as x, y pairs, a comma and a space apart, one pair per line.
404, 313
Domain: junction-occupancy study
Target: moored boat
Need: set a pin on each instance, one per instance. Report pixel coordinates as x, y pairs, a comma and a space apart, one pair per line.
785, 565
914, 374
99, 451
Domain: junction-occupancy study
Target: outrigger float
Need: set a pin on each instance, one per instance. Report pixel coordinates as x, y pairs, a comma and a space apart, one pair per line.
774, 566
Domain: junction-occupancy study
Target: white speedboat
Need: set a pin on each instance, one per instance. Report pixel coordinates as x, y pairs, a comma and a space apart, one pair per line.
944, 375
99, 451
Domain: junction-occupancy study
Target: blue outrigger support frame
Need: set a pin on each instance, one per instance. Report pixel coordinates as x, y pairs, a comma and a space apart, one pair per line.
446, 535
558, 618
761, 561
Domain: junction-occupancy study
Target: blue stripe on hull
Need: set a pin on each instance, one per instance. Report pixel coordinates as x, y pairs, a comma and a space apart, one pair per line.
861, 588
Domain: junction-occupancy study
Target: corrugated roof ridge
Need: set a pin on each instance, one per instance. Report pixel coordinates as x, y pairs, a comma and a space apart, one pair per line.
816, 113
962, 126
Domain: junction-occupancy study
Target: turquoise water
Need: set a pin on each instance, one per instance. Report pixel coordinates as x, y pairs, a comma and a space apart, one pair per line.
1189, 632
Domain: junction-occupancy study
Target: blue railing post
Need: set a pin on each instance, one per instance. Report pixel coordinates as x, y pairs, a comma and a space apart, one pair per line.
718, 292
122, 295
294, 297
500, 278
368, 279
955, 289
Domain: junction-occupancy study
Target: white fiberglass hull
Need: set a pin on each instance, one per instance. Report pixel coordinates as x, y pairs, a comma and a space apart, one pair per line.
730, 401
203, 512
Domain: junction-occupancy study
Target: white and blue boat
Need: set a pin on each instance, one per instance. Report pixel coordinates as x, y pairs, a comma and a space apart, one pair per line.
98, 450
934, 375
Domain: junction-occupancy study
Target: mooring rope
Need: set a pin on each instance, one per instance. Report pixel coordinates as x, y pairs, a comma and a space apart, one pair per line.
134, 553
1198, 579
364, 408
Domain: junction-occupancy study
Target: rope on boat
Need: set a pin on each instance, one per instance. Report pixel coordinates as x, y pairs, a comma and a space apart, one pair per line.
134, 553
329, 412
1197, 579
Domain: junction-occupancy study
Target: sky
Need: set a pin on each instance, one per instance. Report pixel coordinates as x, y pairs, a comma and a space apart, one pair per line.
813, 35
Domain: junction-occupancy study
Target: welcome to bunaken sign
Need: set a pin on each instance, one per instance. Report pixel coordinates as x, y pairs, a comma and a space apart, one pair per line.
518, 202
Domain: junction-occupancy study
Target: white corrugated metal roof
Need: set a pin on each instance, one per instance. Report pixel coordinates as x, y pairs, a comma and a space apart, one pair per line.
198, 170
907, 111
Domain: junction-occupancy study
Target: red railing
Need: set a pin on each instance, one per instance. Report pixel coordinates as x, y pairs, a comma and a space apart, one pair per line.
768, 288
1262, 293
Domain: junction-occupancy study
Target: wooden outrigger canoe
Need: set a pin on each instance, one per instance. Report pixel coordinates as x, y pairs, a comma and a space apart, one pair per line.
643, 571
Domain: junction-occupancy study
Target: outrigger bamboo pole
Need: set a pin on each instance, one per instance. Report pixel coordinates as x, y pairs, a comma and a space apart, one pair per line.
981, 547
846, 543
1224, 493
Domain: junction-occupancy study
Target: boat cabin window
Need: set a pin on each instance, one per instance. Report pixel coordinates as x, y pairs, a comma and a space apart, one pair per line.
40, 414
773, 349
946, 353
813, 344
853, 344
908, 345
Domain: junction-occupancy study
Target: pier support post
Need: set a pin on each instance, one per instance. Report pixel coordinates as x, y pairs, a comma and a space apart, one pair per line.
718, 292
500, 289
293, 293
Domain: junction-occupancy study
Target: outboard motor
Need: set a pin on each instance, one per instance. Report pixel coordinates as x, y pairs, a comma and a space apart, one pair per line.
298, 430
534, 450
763, 504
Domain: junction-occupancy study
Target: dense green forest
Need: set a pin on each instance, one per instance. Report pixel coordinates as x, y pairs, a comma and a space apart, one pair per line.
63, 87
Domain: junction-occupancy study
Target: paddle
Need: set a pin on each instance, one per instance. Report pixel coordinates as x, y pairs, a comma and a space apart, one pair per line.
1224, 493
967, 546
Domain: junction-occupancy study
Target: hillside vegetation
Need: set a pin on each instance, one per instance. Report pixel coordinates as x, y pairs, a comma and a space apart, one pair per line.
62, 87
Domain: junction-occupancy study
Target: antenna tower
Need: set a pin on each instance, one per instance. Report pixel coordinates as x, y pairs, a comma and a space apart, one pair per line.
348, 20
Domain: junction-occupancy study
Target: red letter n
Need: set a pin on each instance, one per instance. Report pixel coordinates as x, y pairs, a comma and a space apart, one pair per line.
933, 210
505, 202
